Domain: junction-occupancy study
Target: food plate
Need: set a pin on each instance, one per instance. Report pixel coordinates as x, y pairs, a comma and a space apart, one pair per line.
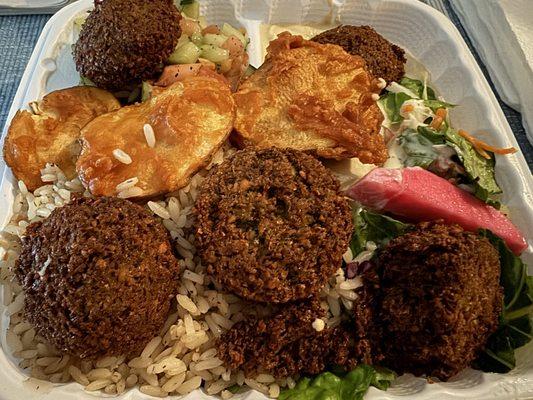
430, 38
32, 7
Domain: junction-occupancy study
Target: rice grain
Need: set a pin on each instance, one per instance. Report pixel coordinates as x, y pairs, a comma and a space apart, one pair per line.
274, 390
208, 364
187, 304
150, 347
256, 385
158, 210
131, 380
133, 191
149, 135
153, 391
140, 362
128, 183
122, 156
97, 385
174, 382
189, 385
99, 374
78, 376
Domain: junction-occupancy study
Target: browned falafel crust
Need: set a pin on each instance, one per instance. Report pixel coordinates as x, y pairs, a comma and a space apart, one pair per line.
271, 225
440, 299
383, 59
98, 277
125, 41
286, 344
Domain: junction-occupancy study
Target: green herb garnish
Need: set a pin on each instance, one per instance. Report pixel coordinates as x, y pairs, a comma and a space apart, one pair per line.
330, 386
377, 228
515, 328
418, 149
480, 171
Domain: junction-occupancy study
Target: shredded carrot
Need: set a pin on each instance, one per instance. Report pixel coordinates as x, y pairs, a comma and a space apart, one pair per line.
482, 147
499, 150
440, 115
483, 153
437, 122
408, 108
441, 112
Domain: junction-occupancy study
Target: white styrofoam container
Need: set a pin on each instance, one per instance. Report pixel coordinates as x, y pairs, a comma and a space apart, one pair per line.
21, 7
430, 37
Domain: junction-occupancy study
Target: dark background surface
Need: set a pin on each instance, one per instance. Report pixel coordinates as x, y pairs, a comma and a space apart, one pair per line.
18, 35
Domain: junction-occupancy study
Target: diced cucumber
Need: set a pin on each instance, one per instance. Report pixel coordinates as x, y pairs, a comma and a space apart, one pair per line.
214, 53
197, 39
186, 54
202, 21
229, 30
183, 39
215, 40
192, 10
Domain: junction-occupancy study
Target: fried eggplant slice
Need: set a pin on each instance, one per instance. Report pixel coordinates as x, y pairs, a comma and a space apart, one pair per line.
50, 134
158, 144
311, 97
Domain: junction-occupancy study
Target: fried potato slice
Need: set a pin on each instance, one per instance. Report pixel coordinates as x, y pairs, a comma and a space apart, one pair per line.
189, 120
312, 97
51, 133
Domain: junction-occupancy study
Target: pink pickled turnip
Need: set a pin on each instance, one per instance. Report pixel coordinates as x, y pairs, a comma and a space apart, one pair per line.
418, 195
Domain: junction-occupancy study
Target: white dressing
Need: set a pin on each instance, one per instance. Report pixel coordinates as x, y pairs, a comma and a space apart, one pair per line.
414, 112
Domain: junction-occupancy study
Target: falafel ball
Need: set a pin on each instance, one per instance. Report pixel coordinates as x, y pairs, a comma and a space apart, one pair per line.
440, 299
271, 225
98, 277
383, 59
285, 343
123, 42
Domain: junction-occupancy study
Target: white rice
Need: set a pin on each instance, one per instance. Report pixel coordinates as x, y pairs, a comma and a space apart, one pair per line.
132, 191
183, 356
122, 156
128, 183
159, 210
149, 135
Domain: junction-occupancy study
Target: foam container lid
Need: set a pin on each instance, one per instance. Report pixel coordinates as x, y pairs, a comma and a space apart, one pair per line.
430, 38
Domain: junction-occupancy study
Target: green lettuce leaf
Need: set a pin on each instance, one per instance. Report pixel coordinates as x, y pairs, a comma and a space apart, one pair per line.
417, 87
234, 388
391, 104
418, 149
480, 170
377, 228
383, 378
436, 104
330, 386
515, 328
436, 137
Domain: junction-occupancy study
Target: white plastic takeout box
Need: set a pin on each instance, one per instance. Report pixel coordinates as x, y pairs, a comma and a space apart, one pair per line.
427, 35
